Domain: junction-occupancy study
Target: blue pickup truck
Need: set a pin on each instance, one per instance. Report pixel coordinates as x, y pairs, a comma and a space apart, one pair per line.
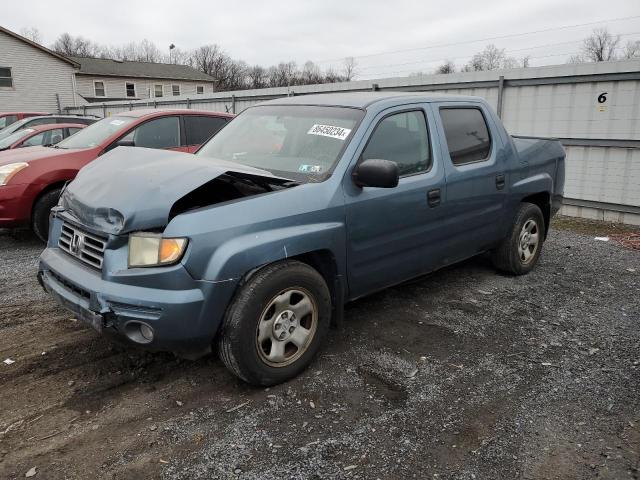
296, 207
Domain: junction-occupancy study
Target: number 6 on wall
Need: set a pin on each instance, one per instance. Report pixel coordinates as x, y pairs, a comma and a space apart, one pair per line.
602, 97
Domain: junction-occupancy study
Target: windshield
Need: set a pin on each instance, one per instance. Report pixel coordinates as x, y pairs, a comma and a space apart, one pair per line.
299, 142
7, 120
14, 137
12, 128
95, 134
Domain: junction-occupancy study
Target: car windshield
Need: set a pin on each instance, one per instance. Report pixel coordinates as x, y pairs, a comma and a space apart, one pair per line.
14, 137
95, 134
13, 128
6, 120
299, 142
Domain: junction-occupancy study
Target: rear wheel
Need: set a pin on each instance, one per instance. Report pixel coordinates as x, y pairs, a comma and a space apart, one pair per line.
519, 251
276, 323
41, 211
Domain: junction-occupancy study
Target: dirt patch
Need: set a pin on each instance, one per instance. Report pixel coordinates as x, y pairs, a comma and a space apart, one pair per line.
462, 374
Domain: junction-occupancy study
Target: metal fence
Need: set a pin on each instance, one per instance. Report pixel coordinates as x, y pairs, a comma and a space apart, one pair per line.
593, 108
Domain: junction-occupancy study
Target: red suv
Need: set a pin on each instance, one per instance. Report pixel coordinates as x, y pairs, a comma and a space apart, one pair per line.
31, 179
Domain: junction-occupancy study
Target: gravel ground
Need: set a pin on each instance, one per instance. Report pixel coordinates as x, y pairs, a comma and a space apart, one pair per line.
463, 374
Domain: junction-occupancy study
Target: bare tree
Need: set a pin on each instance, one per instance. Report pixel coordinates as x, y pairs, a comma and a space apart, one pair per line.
310, 74
32, 34
600, 46
447, 67
349, 69
257, 77
68, 45
631, 50
491, 58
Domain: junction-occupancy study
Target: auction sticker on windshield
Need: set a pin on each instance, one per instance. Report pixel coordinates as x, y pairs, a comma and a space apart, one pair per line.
329, 131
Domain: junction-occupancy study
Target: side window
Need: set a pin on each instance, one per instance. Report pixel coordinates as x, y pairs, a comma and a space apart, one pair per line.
200, 128
402, 138
467, 135
158, 133
73, 130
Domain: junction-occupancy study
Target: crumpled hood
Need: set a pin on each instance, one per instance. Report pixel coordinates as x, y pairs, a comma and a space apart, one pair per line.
131, 189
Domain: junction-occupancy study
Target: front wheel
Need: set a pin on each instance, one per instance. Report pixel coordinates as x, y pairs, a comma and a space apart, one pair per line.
41, 212
519, 251
276, 323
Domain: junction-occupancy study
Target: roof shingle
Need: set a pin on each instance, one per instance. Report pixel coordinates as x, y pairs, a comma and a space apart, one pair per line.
117, 68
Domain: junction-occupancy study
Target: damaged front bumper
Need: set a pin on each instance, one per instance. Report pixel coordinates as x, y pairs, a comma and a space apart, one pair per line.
183, 320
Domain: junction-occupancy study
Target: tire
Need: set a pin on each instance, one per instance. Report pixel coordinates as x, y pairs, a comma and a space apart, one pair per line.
287, 300
41, 211
517, 253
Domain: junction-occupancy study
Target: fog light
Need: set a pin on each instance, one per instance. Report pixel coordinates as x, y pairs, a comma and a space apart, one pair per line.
146, 331
139, 332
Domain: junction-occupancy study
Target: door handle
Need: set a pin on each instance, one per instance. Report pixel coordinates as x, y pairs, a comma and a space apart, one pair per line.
500, 182
433, 197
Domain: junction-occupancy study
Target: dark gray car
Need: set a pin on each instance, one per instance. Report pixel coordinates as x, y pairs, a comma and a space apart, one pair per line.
297, 206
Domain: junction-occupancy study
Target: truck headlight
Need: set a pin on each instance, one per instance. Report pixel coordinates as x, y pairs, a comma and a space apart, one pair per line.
8, 171
150, 249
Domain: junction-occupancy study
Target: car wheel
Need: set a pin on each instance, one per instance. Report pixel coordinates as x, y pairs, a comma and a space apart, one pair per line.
519, 251
41, 211
276, 323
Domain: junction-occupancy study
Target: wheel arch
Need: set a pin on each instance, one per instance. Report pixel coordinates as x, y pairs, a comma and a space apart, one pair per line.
543, 201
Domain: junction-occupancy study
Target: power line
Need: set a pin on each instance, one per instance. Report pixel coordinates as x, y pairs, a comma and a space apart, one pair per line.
539, 56
483, 39
434, 59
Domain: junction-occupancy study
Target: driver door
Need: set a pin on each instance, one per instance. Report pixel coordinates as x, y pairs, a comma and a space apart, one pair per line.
394, 234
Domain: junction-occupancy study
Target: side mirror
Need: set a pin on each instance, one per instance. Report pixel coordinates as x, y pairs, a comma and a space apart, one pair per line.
376, 173
125, 143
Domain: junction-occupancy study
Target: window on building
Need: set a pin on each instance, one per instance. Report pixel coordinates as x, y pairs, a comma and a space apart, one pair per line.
158, 90
159, 133
5, 77
175, 89
131, 89
98, 88
200, 89
467, 135
200, 128
402, 138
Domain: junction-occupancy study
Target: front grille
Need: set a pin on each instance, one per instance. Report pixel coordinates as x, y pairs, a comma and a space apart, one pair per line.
87, 247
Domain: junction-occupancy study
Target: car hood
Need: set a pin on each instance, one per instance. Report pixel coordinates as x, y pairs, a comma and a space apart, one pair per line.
132, 189
30, 154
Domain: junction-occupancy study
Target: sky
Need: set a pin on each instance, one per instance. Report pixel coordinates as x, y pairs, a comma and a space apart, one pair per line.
386, 37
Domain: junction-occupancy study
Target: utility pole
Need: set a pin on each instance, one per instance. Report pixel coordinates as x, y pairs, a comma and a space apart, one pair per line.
171, 47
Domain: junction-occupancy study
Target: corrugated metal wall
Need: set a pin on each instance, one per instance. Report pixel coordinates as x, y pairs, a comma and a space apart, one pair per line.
593, 108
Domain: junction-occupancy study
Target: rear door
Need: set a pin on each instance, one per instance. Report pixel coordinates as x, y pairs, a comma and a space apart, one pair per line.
199, 128
475, 169
394, 233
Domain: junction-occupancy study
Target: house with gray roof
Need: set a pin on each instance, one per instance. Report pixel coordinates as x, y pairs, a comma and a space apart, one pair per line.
102, 80
35, 78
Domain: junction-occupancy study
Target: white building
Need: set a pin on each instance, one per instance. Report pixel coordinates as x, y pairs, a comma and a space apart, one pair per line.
34, 78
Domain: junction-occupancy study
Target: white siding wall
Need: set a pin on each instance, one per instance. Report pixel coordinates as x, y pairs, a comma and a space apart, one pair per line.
37, 78
115, 86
